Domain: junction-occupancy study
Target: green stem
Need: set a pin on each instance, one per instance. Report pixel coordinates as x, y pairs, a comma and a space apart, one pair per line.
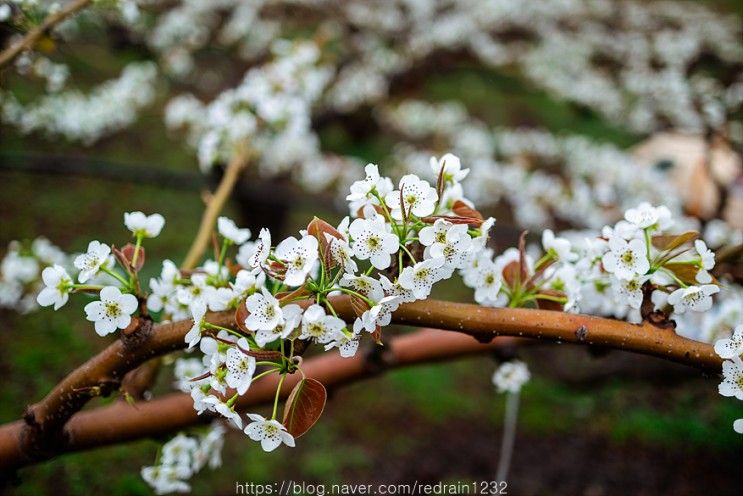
276, 399
137, 246
116, 276
207, 325
264, 374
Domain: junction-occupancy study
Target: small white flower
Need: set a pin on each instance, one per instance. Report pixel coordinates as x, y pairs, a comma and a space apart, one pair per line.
58, 286
452, 167
198, 292
319, 326
240, 367
421, 277
738, 426
732, 378
5, 12
645, 215
291, 316
435, 233
560, 248
626, 258
270, 433
262, 249
347, 345
90, 263
487, 284
708, 262
224, 410
367, 286
694, 298
299, 256
229, 230
630, 290
146, 226
166, 479
372, 241
362, 189
418, 198
733, 347
112, 312
198, 311
185, 370
179, 451
454, 248
342, 254
511, 376
265, 311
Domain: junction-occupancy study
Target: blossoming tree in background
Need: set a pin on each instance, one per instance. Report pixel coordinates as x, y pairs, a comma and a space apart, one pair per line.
625, 261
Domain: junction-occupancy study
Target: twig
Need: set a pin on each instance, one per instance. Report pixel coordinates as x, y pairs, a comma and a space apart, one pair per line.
32, 37
214, 206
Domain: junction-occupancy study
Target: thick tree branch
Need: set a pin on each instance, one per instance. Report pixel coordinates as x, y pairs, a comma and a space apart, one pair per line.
483, 323
30, 39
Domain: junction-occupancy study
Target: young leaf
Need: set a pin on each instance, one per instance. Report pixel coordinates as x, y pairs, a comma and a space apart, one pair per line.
668, 242
304, 406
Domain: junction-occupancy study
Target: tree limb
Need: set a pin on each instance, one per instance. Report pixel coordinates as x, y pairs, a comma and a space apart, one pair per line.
482, 323
33, 36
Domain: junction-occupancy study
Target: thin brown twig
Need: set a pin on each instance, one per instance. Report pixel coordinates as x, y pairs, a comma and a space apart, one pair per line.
214, 206
32, 37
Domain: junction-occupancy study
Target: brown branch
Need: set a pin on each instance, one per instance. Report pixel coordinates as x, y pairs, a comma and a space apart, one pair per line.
121, 422
30, 39
482, 323
214, 206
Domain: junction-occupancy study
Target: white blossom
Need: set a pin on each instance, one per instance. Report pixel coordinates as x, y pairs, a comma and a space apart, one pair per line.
58, 286
418, 198
511, 376
229, 230
270, 433
732, 347
694, 298
372, 241
112, 312
626, 258
299, 256
240, 367
452, 167
421, 277
317, 325
264, 311
732, 378
198, 311
90, 263
146, 226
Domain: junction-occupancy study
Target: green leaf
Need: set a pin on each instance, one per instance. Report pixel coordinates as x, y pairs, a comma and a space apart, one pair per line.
304, 406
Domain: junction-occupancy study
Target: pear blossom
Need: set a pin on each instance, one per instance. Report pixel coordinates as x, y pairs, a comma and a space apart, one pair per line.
225, 410
240, 367
626, 258
198, 292
58, 286
229, 230
630, 290
488, 284
451, 166
707, 257
317, 325
560, 248
418, 198
453, 249
264, 311
367, 286
511, 376
436, 233
362, 189
270, 433
645, 215
198, 311
733, 347
738, 426
372, 241
166, 479
421, 277
146, 226
90, 263
113, 311
732, 378
347, 344
291, 317
342, 254
262, 249
694, 298
179, 451
299, 256
185, 370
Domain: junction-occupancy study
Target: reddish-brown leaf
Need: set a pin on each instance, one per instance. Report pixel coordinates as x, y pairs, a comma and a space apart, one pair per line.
240, 315
687, 273
454, 219
668, 242
511, 274
128, 252
463, 210
359, 306
304, 406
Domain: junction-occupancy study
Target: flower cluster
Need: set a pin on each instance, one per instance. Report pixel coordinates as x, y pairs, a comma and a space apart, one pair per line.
731, 350
182, 457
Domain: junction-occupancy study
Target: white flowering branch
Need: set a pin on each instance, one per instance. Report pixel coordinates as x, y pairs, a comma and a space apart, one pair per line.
30, 39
